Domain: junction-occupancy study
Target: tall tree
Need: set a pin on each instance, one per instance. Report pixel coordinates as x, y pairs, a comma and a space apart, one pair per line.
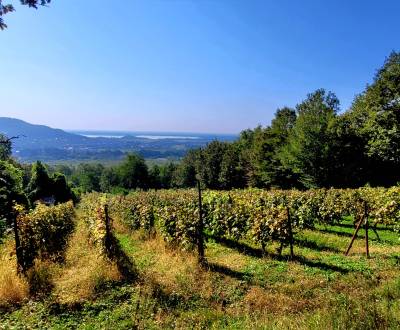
109, 179
167, 172
249, 146
133, 172
209, 165
87, 177
40, 185
11, 192
275, 174
308, 150
185, 173
231, 174
375, 114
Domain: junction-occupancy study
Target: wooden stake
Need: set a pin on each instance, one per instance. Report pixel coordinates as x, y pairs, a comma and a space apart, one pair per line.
18, 248
366, 229
200, 228
290, 233
107, 242
354, 236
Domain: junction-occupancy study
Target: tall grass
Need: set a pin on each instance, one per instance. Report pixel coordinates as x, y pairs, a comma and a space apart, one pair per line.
14, 289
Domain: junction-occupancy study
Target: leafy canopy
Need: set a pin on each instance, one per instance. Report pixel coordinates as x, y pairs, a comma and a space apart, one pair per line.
7, 8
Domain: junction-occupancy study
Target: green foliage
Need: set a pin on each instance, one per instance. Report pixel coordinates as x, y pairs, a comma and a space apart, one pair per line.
308, 150
231, 173
11, 192
93, 206
258, 215
40, 183
209, 164
4, 9
133, 172
185, 174
42, 186
88, 177
5, 146
44, 232
375, 116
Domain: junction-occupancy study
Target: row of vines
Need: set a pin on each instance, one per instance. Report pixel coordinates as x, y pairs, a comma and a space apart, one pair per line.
42, 233
257, 215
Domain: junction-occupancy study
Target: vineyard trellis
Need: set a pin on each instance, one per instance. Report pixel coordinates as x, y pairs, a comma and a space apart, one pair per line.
184, 218
258, 215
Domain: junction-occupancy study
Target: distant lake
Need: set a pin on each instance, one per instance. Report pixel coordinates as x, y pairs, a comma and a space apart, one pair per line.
102, 136
154, 135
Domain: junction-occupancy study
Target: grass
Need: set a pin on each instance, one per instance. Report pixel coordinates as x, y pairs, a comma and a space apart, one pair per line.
13, 288
239, 288
85, 271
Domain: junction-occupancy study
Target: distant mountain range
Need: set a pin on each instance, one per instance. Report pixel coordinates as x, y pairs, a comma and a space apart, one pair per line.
39, 142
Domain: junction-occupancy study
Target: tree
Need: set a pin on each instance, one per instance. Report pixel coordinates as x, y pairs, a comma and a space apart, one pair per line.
308, 150
248, 155
5, 147
260, 148
155, 177
7, 8
133, 172
61, 190
87, 177
40, 185
11, 192
375, 116
167, 172
209, 164
108, 179
185, 173
275, 174
231, 174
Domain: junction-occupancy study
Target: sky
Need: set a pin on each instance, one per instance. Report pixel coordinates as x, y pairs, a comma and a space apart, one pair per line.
216, 66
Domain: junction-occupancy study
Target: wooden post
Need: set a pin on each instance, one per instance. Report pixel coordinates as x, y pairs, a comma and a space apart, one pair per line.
200, 228
18, 248
107, 242
354, 235
290, 233
366, 229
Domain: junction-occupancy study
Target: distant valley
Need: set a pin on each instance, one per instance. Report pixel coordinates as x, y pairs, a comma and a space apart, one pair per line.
39, 142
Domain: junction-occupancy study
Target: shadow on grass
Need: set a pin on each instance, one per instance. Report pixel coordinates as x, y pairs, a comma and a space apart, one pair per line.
320, 265
303, 242
258, 253
361, 235
378, 228
221, 269
254, 252
238, 246
122, 260
336, 232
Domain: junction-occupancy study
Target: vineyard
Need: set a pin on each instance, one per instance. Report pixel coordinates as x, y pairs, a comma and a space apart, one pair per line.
172, 258
255, 215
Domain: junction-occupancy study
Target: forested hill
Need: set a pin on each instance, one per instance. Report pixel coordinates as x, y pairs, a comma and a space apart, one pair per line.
31, 134
38, 142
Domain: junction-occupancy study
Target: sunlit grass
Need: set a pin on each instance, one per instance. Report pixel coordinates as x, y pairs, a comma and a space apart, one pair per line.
239, 288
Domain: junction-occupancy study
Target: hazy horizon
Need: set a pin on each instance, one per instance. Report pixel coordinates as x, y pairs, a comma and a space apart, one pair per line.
186, 66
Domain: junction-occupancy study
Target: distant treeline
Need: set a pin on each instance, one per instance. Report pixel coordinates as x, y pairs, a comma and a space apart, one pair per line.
310, 146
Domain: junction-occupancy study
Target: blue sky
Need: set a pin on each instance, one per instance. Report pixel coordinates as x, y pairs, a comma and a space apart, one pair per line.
201, 66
